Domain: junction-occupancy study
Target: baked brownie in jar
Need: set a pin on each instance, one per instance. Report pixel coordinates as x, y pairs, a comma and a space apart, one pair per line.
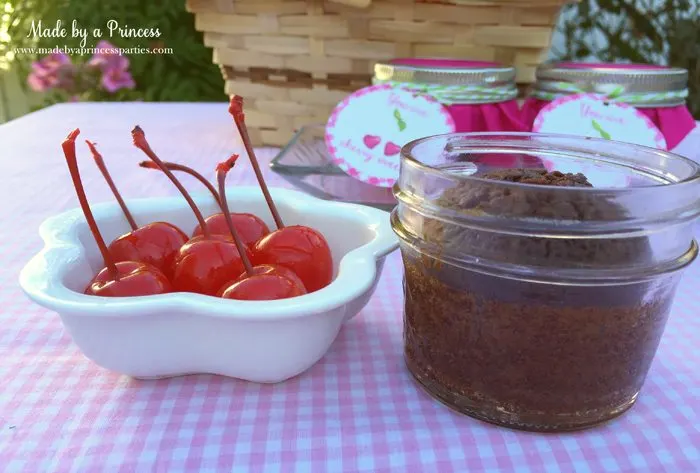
537, 299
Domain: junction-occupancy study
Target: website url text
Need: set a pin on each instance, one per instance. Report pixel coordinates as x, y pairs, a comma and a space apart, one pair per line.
70, 51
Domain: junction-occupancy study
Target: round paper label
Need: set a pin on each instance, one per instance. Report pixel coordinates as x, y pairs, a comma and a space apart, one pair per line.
596, 116
366, 131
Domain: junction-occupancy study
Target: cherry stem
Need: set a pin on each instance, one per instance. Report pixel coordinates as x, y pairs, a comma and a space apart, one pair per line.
140, 142
68, 146
105, 173
186, 170
221, 172
236, 111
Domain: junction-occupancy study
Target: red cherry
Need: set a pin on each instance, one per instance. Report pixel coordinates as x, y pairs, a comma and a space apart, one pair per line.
263, 287
301, 249
267, 269
258, 283
155, 243
250, 227
127, 278
279, 270
135, 278
206, 262
236, 110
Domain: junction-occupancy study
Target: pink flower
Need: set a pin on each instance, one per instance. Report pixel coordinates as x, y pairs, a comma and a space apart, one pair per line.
107, 57
114, 67
51, 63
40, 83
115, 79
54, 70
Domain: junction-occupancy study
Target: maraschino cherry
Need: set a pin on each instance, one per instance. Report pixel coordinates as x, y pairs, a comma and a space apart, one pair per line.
259, 283
156, 243
206, 262
300, 248
122, 279
250, 227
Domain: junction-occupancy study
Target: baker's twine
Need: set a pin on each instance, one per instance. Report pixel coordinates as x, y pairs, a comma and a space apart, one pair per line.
561, 89
458, 94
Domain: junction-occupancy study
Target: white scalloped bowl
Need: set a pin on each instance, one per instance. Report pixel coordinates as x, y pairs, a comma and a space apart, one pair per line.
183, 333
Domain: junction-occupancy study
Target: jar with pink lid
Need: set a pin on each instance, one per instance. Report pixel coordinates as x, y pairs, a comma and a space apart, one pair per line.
656, 91
480, 96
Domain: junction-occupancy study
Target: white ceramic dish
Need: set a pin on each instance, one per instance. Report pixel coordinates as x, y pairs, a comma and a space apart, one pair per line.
181, 333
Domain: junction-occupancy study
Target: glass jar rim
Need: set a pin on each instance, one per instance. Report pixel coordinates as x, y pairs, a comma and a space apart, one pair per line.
434, 169
502, 138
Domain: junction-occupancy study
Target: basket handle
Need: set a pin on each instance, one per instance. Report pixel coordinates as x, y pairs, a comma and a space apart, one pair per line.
354, 3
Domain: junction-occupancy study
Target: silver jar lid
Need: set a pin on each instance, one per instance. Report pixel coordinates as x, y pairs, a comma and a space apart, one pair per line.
451, 81
642, 87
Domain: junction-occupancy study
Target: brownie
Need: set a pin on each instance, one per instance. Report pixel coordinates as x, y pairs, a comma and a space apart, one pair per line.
539, 177
526, 353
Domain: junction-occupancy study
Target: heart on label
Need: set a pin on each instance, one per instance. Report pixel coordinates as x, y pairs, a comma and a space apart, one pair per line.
367, 129
371, 141
391, 149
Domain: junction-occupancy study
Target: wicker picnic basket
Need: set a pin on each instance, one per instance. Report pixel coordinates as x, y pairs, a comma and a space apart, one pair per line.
294, 60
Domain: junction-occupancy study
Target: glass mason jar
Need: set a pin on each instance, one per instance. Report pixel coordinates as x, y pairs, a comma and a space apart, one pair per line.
540, 307
480, 96
656, 91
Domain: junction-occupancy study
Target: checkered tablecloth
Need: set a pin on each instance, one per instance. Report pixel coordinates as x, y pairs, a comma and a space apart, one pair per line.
356, 410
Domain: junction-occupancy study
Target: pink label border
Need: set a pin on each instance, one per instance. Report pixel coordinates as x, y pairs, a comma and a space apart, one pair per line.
330, 126
659, 139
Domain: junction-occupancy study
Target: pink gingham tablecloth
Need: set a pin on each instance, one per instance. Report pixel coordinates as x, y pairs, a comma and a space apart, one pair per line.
356, 410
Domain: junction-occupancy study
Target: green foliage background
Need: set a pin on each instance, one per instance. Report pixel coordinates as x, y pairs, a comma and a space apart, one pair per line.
187, 75
644, 31
640, 31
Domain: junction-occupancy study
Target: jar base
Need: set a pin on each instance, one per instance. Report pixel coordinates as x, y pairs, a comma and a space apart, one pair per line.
531, 422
